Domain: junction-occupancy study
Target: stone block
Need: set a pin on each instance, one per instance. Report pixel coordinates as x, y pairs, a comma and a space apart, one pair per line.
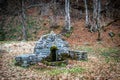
78, 55
25, 60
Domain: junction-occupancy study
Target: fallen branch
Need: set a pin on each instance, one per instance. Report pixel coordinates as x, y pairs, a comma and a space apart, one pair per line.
111, 22
35, 5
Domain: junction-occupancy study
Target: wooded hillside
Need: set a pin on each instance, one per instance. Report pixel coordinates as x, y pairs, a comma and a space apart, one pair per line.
29, 19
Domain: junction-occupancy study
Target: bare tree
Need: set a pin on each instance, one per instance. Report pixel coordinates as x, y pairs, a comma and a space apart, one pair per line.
99, 25
54, 15
67, 15
95, 24
86, 11
97, 17
2, 24
23, 20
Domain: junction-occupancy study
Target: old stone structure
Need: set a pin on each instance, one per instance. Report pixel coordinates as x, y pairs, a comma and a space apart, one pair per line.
42, 50
44, 44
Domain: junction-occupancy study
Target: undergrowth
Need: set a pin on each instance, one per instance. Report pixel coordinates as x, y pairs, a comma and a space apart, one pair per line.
72, 70
111, 54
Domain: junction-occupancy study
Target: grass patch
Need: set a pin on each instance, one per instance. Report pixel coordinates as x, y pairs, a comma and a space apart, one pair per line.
111, 54
72, 70
85, 48
67, 34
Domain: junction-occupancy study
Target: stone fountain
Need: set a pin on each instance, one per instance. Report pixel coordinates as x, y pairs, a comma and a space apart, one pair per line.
42, 50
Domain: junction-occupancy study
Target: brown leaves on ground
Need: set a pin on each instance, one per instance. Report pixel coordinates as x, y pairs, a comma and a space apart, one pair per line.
96, 67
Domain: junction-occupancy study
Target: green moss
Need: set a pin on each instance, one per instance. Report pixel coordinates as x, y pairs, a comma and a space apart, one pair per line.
68, 33
53, 48
72, 70
76, 70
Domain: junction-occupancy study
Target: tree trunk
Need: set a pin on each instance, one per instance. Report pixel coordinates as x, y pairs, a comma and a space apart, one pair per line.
98, 19
67, 15
99, 15
99, 35
54, 15
95, 15
2, 32
86, 11
23, 16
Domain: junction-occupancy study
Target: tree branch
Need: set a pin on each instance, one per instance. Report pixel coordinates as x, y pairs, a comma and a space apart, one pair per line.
111, 22
35, 5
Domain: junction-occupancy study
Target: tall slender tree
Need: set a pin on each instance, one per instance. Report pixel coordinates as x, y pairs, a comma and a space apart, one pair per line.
67, 15
54, 15
96, 17
2, 24
23, 17
87, 16
96, 13
95, 24
98, 20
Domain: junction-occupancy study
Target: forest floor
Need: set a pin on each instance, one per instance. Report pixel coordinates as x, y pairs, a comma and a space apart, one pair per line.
102, 64
103, 57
